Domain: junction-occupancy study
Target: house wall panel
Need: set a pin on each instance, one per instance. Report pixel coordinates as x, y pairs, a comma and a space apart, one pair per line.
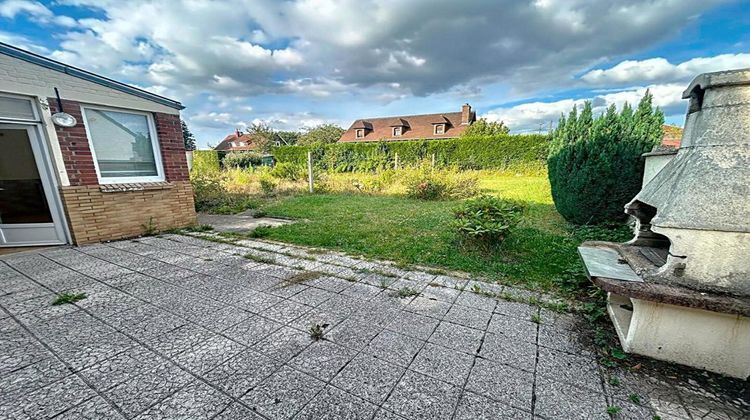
25, 78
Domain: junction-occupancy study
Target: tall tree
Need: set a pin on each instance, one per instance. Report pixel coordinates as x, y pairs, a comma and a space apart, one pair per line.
263, 136
324, 133
482, 127
187, 136
288, 138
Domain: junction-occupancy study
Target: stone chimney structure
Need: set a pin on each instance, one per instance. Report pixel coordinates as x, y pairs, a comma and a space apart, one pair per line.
466, 116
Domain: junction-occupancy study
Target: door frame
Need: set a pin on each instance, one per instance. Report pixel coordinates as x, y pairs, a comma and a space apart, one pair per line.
40, 149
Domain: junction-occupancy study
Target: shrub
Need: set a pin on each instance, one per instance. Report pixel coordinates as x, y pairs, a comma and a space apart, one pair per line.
428, 183
289, 171
486, 219
595, 164
205, 161
267, 184
207, 188
524, 153
242, 159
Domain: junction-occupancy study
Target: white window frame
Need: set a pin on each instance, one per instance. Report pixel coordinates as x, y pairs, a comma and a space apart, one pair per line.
442, 128
399, 133
36, 119
359, 133
155, 147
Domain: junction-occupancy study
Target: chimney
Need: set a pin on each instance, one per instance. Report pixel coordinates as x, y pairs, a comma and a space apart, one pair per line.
465, 114
238, 132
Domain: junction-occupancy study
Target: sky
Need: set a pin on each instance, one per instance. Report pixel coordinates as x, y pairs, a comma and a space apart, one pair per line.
296, 64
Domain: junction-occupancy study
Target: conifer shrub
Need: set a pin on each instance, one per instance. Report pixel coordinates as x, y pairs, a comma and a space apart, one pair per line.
595, 165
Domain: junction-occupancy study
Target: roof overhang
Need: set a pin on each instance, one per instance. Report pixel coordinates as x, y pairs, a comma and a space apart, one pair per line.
39, 60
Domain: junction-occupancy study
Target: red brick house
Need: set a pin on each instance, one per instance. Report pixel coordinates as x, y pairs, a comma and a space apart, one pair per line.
237, 142
243, 142
672, 136
411, 127
98, 162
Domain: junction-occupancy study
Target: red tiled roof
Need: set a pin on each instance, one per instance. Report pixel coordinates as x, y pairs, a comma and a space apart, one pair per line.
226, 144
672, 136
413, 127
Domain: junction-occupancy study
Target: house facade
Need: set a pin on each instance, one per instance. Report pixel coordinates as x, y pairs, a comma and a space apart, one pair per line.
84, 158
410, 127
237, 142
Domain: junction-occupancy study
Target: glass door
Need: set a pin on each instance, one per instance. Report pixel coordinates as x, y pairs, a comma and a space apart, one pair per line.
27, 212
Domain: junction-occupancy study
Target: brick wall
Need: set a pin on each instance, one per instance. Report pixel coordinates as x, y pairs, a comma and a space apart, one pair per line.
74, 145
169, 132
95, 215
107, 212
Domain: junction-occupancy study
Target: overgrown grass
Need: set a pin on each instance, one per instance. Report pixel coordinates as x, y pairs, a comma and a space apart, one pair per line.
539, 254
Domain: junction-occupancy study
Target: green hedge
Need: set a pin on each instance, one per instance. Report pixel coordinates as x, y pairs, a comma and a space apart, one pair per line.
206, 160
517, 153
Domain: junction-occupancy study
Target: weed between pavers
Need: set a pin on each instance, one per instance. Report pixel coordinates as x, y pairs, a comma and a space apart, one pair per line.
258, 258
613, 410
634, 398
536, 318
406, 292
199, 228
317, 331
302, 277
66, 298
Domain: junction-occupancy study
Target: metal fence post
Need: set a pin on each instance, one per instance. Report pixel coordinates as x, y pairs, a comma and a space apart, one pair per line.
433, 160
310, 170
396, 165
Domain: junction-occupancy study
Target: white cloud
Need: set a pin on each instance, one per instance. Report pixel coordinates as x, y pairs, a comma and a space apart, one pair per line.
36, 11
223, 120
535, 115
427, 46
659, 69
291, 121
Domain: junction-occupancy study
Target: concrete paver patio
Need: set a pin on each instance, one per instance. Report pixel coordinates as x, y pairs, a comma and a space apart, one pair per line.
180, 327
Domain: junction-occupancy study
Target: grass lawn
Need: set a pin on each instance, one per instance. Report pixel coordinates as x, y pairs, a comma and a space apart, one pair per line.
411, 231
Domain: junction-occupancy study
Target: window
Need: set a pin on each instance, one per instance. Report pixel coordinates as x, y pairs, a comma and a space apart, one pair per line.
17, 108
359, 133
123, 145
242, 144
396, 131
439, 128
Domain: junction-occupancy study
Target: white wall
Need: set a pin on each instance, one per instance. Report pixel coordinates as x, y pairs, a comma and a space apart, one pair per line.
24, 78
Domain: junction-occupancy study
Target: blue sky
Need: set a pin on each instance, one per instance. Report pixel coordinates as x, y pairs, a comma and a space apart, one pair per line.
299, 63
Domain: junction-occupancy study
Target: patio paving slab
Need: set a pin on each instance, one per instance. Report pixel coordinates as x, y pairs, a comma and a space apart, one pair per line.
181, 327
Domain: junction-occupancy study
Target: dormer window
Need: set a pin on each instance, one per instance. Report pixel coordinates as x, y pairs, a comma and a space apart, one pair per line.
359, 133
234, 144
439, 128
242, 144
397, 131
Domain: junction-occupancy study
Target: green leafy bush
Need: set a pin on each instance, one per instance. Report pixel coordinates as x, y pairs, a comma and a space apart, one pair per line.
524, 153
289, 171
267, 184
486, 219
242, 159
205, 161
427, 183
595, 165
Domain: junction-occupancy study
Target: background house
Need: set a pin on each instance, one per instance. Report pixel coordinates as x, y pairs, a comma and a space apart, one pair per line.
237, 142
411, 127
102, 163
